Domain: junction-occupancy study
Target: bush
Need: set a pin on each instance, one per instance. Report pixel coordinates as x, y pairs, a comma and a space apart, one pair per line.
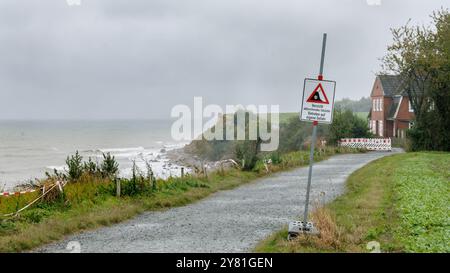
109, 167
74, 166
275, 157
247, 154
90, 167
347, 125
295, 133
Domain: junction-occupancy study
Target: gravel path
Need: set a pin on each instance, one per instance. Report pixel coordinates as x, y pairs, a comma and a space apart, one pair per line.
227, 221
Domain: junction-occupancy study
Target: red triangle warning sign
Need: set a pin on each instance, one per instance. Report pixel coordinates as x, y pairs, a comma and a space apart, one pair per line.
318, 95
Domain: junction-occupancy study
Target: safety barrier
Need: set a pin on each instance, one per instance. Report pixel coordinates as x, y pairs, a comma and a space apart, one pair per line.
45, 190
371, 144
15, 193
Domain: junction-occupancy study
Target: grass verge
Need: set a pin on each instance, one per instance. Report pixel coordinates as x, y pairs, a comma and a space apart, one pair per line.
400, 201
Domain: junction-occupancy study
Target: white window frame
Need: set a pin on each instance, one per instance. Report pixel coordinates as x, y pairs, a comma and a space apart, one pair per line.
380, 126
431, 104
410, 109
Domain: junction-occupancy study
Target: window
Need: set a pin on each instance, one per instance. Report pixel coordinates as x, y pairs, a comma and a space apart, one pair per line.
431, 106
377, 105
411, 124
380, 133
410, 109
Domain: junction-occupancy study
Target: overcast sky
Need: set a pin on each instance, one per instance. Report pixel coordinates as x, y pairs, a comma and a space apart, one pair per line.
138, 58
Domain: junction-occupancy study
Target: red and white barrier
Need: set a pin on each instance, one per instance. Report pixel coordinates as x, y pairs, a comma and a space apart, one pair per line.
58, 184
9, 193
371, 144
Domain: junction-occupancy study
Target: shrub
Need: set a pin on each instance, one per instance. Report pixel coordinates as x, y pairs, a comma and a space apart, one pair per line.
347, 124
275, 157
295, 133
247, 154
109, 167
74, 166
90, 167
35, 215
150, 175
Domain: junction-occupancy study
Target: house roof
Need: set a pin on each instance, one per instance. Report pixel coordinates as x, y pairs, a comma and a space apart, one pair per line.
391, 84
393, 107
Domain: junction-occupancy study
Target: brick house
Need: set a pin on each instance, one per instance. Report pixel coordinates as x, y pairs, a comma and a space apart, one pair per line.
391, 113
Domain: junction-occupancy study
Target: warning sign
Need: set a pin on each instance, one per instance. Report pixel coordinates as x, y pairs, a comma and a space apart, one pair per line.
318, 101
318, 95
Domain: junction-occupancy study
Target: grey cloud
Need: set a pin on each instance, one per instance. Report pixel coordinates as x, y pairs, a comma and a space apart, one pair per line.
137, 59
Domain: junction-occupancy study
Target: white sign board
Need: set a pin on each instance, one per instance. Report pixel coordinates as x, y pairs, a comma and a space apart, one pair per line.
318, 101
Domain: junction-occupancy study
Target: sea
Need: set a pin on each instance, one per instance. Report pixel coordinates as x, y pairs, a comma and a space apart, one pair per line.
29, 148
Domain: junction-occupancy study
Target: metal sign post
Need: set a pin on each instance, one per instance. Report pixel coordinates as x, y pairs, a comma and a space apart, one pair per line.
317, 107
314, 135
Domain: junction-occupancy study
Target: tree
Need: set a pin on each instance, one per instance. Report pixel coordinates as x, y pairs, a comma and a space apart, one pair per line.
361, 105
347, 125
420, 56
74, 166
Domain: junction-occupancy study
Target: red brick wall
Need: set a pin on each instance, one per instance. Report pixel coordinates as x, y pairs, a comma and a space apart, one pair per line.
402, 125
403, 112
377, 92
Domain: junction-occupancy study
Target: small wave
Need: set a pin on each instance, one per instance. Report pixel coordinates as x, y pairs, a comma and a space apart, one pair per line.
122, 150
174, 146
58, 168
115, 150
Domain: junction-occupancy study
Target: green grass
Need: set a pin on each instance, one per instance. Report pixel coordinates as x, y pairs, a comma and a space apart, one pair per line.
423, 192
90, 203
400, 201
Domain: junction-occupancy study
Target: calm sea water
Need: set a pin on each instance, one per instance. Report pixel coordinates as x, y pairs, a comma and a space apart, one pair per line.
29, 148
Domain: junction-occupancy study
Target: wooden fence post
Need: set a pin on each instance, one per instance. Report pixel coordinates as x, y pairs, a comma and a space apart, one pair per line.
118, 187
